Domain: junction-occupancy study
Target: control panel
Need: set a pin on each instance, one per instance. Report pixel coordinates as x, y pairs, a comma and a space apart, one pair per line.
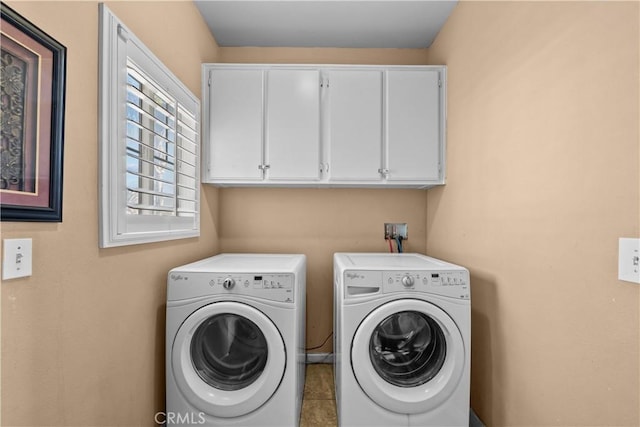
448, 283
453, 283
254, 281
272, 286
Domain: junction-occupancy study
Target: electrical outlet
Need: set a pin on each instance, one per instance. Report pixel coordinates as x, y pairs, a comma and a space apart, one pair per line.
17, 258
629, 260
394, 230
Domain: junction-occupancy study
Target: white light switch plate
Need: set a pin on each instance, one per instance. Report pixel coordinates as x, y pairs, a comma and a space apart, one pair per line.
17, 258
629, 260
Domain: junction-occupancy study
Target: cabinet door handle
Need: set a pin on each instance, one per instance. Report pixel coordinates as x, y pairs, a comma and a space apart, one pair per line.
264, 167
383, 171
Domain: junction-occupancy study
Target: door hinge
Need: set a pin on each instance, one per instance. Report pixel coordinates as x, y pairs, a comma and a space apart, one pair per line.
324, 83
439, 83
209, 81
124, 35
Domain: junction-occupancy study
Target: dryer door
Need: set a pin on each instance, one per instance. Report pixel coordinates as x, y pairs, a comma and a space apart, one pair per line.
228, 359
408, 356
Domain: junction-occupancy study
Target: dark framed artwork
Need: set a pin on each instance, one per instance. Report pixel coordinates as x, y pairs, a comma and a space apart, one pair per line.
33, 72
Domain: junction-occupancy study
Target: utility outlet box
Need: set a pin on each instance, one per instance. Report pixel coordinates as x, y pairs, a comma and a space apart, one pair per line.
629, 260
394, 230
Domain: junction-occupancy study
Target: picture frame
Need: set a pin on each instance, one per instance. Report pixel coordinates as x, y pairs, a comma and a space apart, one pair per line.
33, 81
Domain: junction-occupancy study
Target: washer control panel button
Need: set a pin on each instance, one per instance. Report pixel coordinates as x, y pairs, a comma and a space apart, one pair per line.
407, 281
228, 283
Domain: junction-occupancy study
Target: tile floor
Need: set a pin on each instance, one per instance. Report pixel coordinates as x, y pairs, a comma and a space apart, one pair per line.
319, 403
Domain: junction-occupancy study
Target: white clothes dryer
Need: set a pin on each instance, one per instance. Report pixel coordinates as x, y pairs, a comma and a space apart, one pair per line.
235, 341
402, 326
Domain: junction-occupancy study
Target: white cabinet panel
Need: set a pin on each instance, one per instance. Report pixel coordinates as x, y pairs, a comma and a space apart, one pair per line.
413, 125
293, 125
235, 125
355, 125
277, 125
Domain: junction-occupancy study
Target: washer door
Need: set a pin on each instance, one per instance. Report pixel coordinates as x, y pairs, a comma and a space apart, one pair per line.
228, 359
408, 356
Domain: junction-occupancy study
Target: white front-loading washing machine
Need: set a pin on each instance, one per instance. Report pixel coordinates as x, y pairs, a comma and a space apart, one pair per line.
235, 341
402, 326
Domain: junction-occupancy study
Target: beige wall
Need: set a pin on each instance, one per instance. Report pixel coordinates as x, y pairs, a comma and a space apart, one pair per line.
319, 222
543, 178
293, 55
83, 338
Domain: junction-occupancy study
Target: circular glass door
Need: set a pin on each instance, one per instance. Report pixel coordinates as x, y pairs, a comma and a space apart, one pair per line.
407, 349
408, 356
228, 359
228, 351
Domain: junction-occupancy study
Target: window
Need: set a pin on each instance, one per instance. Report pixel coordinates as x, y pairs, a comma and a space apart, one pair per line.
149, 144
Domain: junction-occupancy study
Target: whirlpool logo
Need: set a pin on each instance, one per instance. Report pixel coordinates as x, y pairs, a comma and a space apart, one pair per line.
354, 276
177, 418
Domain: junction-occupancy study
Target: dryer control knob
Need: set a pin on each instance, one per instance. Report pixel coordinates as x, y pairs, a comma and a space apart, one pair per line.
407, 281
228, 283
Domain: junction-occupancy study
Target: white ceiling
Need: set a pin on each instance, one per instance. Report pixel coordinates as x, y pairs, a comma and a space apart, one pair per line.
329, 23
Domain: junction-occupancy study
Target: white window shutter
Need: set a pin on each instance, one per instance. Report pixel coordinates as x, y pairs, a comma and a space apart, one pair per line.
150, 138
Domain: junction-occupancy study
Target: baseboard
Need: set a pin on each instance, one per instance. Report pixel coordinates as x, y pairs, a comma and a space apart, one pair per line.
474, 421
319, 358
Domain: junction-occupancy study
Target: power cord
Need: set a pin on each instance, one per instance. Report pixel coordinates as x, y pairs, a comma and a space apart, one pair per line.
321, 345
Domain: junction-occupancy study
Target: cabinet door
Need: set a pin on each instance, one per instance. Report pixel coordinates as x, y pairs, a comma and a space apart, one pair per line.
355, 125
413, 125
293, 125
235, 125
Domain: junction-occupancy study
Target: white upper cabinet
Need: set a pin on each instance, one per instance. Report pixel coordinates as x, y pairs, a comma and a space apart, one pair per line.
324, 125
293, 125
413, 125
233, 149
354, 114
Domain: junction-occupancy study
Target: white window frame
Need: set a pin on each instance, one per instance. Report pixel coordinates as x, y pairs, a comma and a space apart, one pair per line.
118, 47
